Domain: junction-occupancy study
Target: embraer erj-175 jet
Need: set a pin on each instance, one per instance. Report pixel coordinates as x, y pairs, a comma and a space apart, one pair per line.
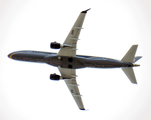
67, 61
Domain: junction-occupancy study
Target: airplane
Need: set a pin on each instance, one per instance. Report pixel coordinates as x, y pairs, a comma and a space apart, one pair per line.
67, 61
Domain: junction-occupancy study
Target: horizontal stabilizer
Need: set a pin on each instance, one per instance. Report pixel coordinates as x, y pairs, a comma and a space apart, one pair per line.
130, 74
129, 57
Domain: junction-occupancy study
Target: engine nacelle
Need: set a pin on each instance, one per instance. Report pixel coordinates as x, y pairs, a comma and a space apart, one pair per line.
54, 77
55, 45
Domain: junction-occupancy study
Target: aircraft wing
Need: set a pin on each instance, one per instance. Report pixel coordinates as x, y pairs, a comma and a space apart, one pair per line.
73, 37
70, 80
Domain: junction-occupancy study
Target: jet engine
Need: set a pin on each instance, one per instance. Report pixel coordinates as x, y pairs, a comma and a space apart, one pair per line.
55, 45
54, 77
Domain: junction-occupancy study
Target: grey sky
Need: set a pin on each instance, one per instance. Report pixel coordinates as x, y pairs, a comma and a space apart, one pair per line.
110, 28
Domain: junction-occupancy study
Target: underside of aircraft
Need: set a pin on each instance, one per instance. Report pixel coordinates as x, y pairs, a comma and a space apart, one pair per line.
68, 61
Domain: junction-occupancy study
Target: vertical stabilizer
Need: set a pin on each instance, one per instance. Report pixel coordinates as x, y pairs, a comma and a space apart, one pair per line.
137, 58
129, 57
130, 74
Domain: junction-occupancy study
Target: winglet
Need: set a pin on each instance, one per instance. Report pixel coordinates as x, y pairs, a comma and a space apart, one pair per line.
84, 109
85, 11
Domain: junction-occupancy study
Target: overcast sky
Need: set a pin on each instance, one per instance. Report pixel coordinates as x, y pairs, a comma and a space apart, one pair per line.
110, 28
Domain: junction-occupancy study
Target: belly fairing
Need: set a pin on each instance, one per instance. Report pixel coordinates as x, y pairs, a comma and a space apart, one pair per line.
64, 62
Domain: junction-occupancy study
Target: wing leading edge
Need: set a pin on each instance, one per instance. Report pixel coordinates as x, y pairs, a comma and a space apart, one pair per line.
73, 37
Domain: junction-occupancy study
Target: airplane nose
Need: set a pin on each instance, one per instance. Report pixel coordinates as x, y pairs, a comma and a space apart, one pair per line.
10, 55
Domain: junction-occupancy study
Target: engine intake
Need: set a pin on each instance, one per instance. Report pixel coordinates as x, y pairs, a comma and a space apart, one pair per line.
55, 45
54, 77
